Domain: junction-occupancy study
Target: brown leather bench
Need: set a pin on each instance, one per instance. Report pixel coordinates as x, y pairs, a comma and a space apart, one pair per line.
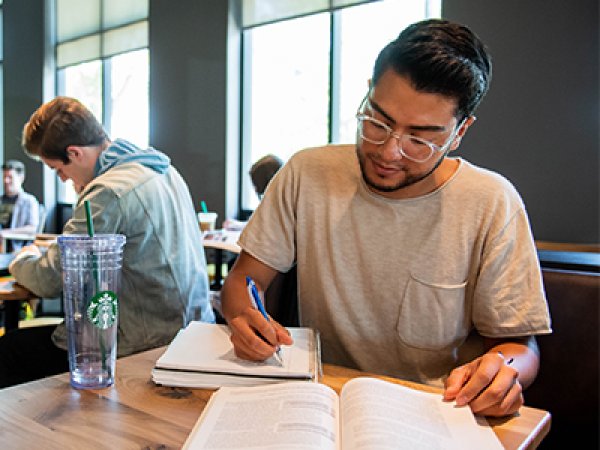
567, 383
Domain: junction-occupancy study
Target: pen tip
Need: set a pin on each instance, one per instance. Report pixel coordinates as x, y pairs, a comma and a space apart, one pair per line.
278, 357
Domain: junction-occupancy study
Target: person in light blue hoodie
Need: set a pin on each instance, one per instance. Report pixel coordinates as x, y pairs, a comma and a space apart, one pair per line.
132, 191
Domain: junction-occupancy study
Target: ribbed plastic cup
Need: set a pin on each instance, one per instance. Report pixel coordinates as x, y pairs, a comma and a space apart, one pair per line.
91, 268
207, 220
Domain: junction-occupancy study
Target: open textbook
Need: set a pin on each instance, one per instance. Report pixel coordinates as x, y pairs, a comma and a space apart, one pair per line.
368, 414
201, 356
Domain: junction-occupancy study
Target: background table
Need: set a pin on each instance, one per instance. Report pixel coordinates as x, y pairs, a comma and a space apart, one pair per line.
135, 413
220, 241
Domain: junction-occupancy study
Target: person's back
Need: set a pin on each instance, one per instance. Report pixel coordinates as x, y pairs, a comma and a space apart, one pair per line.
164, 271
164, 283
131, 191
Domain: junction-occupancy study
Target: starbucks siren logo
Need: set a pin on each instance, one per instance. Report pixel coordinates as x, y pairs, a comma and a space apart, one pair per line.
103, 309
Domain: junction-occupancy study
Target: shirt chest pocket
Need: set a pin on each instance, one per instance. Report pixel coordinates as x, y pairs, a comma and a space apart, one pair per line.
433, 316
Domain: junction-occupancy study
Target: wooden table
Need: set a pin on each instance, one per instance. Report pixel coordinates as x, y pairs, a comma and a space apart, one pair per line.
8, 235
136, 414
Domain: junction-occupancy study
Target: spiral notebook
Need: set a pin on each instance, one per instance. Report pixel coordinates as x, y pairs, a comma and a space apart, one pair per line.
201, 356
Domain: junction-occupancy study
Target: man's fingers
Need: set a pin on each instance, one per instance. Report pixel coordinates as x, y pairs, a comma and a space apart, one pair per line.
456, 381
252, 336
509, 404
283, 335
495, 393
489, 365
243, 351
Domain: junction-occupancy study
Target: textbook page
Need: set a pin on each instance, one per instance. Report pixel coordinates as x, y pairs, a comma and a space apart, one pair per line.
296, 415
205, 347
378, 415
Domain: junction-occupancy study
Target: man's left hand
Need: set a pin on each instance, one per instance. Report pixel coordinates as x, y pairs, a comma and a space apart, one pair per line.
488, 384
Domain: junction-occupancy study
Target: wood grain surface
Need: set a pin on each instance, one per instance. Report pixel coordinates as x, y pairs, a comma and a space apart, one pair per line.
137, 414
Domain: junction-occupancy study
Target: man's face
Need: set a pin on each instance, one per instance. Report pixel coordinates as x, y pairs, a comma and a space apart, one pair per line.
428, 116
67, 171
13, 182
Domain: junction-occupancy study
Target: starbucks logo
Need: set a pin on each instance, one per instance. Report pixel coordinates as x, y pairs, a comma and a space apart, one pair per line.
103, 309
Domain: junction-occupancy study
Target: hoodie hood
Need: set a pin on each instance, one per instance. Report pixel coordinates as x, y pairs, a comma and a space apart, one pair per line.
121, 151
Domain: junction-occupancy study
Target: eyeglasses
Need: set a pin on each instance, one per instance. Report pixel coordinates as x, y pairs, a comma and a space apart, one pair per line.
412, 147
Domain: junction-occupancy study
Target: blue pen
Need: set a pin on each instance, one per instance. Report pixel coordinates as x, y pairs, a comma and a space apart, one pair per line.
256, 301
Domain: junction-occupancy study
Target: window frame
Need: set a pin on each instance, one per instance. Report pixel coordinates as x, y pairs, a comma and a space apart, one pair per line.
105, 62
432, 9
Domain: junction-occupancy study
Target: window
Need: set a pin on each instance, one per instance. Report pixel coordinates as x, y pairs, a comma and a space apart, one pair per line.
304, 77
103, 61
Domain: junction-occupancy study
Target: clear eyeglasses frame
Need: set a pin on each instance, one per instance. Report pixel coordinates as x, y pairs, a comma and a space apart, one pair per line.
411, 147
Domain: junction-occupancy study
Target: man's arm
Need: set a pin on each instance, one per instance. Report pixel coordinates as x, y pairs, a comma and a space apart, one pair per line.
246, 323
493, 384
38, 272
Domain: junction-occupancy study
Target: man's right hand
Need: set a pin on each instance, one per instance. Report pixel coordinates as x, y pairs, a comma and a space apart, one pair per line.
253, 337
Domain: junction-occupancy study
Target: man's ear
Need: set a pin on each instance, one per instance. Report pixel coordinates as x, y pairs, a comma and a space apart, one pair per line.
74, 153
461, 132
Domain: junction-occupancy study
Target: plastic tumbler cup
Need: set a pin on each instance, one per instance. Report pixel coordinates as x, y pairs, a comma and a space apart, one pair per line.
91, 268
207, 220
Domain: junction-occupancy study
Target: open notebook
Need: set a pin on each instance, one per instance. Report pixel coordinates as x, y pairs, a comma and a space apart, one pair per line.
201, 356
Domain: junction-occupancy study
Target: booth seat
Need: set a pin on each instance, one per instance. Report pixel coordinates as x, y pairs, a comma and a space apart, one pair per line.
567, 383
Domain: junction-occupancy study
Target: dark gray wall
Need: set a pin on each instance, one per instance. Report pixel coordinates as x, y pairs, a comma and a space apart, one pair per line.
23, 79
28, 80
188, 94
539, 124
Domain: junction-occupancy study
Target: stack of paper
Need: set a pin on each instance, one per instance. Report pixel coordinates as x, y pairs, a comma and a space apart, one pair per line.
202, 356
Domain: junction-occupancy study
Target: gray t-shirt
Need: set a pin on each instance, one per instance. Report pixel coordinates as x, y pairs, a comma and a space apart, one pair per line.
401, 287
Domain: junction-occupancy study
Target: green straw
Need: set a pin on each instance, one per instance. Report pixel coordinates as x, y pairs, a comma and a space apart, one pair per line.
203, 206
88, 217
90, 229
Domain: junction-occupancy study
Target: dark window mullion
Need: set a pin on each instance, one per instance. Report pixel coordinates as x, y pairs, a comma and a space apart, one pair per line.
245, 120
334, 76
106, 95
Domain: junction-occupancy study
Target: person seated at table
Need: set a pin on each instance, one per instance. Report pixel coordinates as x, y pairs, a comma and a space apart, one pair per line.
19, 210
132, 191
261, 173
410, 263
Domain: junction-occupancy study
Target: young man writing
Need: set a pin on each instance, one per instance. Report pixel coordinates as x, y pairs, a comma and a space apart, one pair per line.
410, 263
